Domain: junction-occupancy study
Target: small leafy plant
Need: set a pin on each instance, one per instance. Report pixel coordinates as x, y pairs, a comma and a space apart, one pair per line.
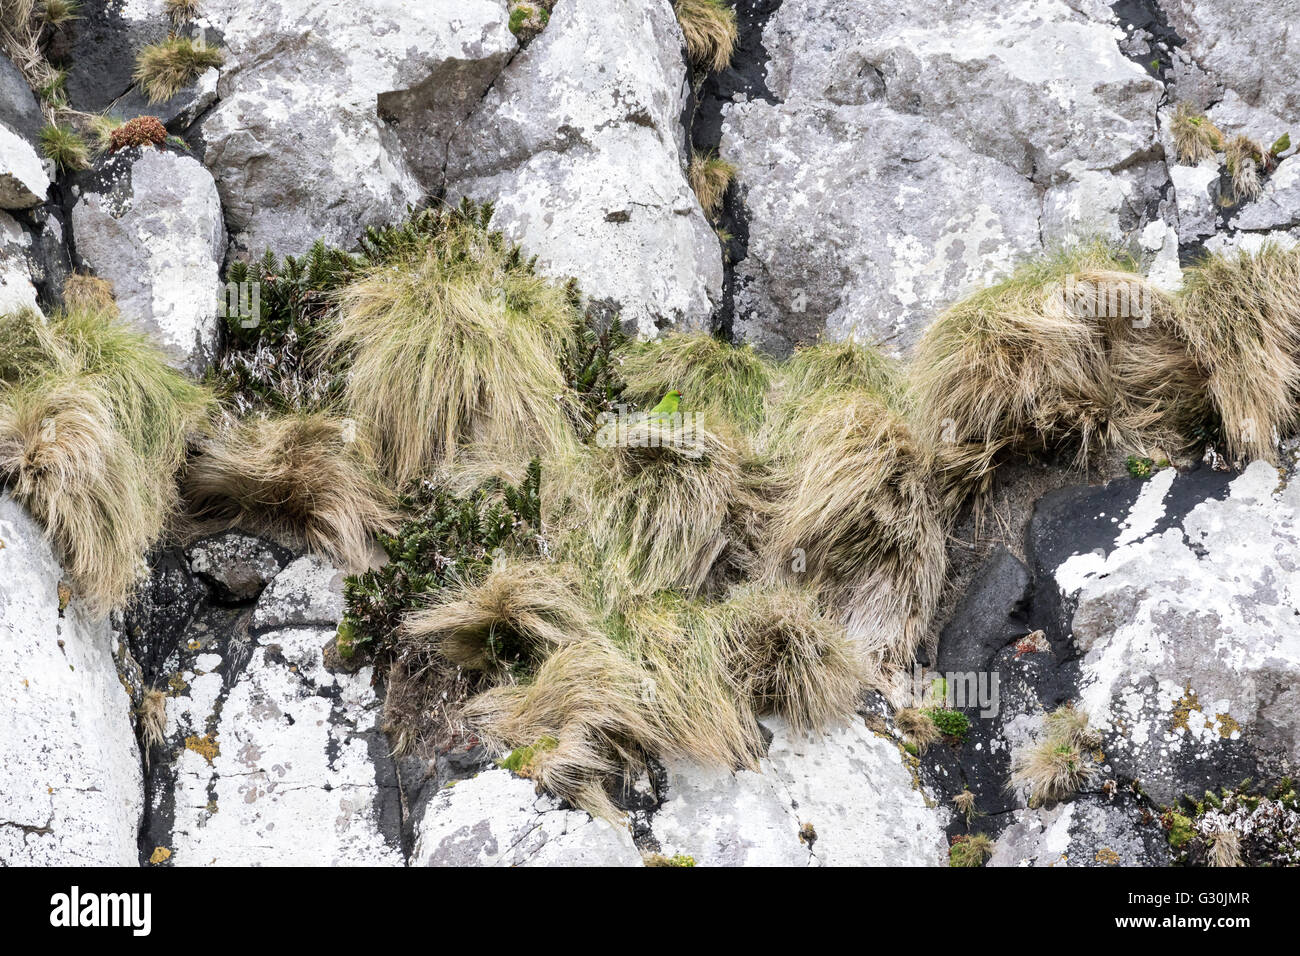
141, 131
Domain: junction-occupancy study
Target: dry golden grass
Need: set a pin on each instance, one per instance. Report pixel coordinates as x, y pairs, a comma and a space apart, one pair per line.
788, 658
1244, 158
93, 427
301, 476
164, 69
710, 175
88, 293
709, 27
1195, 137
1026, 366
855, 517
714, 377
1059, 764
655, 509
515, 616
458, 345
153, 721
595, 701
1240, 315
1225, 848
917, 727
181, 12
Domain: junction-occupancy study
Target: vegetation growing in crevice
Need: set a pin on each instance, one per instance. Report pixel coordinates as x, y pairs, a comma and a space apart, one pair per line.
1061, 762
93, 428
1253, 824
1195, 137
709, 27
163, 69
529, 19
141, 131
65, 147
972, 850
710, 176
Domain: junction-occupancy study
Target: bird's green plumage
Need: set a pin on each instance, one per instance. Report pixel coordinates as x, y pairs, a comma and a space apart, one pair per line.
668, 404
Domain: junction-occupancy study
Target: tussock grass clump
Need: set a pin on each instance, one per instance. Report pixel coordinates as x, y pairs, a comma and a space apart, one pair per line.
710, 175
594, 700
1225, 848
457, 341
93, 427
917, 727
1057, 766
653, 506
65, 147
181, 12
57, 13
788, 657
972, 850
855, 517
1240, 314
164, 69
89, 293
304, 476
714, 377
710, 30
1245, 158
813, 371
1072, 351
1195, 137
514, 617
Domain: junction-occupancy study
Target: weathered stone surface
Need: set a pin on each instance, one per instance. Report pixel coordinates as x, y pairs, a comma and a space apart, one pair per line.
16, 289
101, 46
18, 107
498, 819
902, 160
149, 221
297, 143
23, 178
1251, 51
275, 760
851, 785
309, 592
1196, 190
1191, 652
72, 793
580, 144
237, 565
1089, 831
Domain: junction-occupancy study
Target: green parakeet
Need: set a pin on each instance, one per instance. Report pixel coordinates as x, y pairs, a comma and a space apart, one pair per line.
668, 404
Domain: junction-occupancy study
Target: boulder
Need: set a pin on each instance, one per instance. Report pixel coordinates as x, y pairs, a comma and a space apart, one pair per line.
844, 798
580, 144
1191, 655
16, 289
902, 158
23, 177
149, 221
498, 819
298, 142
237, 566
72, 792
1091, 831
307, 593
268, 757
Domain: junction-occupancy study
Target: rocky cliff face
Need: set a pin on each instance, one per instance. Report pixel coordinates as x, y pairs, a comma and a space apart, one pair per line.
890, 158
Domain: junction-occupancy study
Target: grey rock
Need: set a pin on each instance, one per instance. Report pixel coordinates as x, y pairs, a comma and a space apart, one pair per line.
901, 163
1243, 48
16, 288
274, 761
1091, 831
19, 109
1196, 189
23, 177
149, 221
297, 143
1191, 655
309, 592
1279, 206
101, 46
586, 164
237, 565
72, 792
850, 785
498, 819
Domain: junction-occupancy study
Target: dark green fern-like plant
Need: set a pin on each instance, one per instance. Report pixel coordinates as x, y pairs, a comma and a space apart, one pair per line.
447, 539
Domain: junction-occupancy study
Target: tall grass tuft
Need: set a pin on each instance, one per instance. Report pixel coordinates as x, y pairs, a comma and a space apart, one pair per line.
1240, 314
709, 27
93, 427
714, 377
164, 69
304, 476
456, 341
